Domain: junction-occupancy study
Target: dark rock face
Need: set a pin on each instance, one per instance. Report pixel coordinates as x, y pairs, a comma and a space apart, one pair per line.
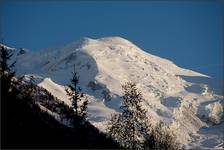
106, 94
95, 86
22, 51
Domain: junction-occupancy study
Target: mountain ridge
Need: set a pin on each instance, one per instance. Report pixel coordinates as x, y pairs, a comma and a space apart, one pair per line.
172, 94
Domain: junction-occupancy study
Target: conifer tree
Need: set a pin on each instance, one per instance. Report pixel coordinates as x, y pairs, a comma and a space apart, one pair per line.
129, 127
79, 103
6, 70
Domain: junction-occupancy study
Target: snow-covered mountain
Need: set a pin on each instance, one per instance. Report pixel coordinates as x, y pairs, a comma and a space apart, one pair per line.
189, 102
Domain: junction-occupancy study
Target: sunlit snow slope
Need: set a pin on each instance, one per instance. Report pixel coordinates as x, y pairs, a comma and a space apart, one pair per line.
189, 102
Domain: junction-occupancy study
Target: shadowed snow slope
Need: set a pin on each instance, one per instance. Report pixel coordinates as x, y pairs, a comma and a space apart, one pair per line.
172, 94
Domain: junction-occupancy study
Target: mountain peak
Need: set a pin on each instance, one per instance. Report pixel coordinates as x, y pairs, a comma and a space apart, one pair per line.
180, 97
111, 40
116, 40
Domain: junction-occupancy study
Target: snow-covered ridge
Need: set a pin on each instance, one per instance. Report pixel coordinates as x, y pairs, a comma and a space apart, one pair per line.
7, 47
184, 99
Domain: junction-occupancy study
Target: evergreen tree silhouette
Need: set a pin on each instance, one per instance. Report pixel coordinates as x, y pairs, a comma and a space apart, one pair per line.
79, 103
6, 70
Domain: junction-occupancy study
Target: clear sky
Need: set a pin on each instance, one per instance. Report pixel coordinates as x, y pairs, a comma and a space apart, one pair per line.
189, 33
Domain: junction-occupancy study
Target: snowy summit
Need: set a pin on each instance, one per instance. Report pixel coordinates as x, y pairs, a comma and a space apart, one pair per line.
189, 102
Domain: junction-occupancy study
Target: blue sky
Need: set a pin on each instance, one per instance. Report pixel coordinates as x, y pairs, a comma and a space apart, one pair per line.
190, 33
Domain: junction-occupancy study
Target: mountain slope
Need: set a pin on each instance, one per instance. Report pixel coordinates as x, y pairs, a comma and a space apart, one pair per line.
28, 122
184, 99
